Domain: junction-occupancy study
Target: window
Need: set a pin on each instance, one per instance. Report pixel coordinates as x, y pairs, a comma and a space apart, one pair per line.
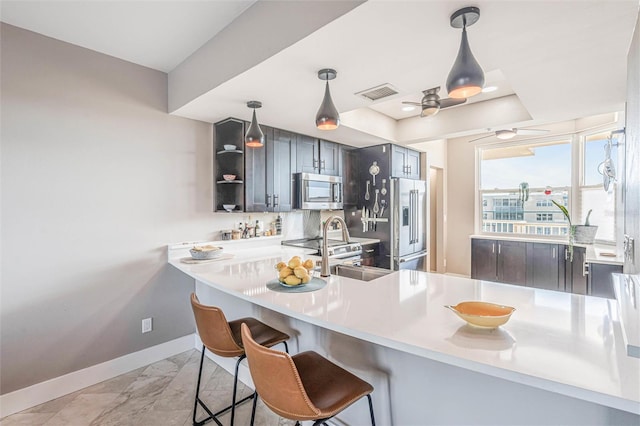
544, 217
518, 182
514, 181
591, 194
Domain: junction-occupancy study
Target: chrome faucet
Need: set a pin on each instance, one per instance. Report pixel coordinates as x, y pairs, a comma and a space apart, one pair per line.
325, 270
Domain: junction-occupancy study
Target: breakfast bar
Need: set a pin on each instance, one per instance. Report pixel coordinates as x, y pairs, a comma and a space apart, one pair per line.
560, 359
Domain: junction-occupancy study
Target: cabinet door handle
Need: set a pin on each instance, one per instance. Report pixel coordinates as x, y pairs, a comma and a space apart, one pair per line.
493, 247
585, 269
322, 165
499, 248
275, 200
369, 251
554, 252
268, 200
566, 254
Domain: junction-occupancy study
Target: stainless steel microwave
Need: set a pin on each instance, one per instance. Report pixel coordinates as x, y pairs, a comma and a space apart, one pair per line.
317, 192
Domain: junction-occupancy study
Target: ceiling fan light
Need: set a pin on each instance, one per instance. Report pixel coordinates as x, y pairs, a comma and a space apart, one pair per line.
327, 117
254, 138
466, 77
505, 134
429, 111
430, 108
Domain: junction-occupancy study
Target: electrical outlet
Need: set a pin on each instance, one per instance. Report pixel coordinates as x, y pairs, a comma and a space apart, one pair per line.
147, 325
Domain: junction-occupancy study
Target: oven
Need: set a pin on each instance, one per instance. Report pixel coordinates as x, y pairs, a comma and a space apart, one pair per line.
317, 192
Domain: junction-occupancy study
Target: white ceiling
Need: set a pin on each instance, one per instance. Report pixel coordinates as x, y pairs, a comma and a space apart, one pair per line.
558, 60
156, 34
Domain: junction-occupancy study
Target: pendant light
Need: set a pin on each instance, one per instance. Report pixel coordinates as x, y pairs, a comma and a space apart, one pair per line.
254, 138
327, 117
466, 78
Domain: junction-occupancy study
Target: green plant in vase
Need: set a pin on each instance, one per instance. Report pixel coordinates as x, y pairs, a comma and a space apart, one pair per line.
571, 227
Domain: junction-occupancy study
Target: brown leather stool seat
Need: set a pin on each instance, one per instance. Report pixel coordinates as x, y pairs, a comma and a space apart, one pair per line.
301, 387
224, 338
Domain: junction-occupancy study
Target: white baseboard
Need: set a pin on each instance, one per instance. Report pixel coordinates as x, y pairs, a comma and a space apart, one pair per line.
55, 388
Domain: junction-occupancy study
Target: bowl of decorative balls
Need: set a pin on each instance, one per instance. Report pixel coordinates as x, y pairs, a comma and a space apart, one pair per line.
296, 272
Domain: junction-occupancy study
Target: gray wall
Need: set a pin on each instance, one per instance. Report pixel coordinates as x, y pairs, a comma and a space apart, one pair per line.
96, 178
632, 152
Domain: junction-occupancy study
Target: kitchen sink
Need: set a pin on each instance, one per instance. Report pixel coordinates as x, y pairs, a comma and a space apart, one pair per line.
362, 273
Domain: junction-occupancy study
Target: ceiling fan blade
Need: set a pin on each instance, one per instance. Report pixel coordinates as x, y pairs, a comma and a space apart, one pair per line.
449, 102
483, 137
531, 131
412, 103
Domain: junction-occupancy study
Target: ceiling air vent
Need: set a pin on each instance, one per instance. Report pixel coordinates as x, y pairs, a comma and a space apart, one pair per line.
378, 92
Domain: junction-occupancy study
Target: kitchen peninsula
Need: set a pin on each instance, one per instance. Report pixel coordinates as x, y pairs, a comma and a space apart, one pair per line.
560, 359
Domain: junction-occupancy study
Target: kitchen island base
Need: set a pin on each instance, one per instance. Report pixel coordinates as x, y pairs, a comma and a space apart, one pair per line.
414, 390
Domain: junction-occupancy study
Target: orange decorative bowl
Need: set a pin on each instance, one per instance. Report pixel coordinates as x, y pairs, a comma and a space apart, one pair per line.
483, 314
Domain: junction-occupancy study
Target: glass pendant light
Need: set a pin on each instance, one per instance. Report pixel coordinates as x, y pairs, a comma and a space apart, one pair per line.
466, 77
254, 138
327, 117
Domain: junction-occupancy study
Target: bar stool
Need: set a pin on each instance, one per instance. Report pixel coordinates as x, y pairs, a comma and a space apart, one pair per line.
301, 387
223, 338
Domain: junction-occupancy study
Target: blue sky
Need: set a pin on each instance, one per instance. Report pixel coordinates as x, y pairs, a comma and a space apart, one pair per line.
549, 166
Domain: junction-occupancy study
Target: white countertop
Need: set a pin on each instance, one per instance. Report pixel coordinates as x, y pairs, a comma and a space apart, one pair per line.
564, 343
596, 253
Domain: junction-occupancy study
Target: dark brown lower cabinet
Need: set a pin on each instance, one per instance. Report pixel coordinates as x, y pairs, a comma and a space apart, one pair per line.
574, 275
499, 260
599, 281
543, 266
512, 262
484, 260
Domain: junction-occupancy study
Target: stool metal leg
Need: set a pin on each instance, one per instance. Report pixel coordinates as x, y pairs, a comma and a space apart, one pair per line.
235, 386
213, 416
253, 409
199, 401
373, 420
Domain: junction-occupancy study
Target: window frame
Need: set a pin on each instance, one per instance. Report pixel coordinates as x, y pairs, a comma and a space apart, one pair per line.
577, 141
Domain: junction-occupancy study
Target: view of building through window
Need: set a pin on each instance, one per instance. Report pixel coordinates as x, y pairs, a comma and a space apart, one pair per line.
519, 182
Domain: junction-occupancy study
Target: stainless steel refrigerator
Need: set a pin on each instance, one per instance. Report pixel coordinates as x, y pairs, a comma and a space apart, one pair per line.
380, 205
407, 224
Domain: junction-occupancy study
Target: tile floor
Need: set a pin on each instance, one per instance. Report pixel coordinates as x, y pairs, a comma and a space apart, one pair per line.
160, 394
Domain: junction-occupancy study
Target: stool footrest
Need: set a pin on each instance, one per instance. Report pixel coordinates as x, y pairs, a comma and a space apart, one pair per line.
213, 416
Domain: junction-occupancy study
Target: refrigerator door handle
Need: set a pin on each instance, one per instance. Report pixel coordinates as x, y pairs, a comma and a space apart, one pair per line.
414, 217
411, 216
412, 257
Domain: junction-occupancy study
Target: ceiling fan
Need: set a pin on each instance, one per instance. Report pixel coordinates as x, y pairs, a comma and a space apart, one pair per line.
506, 134
431, 102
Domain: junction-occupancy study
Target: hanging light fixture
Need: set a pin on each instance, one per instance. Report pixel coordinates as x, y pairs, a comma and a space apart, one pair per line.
254, 138
327, 117
466, 78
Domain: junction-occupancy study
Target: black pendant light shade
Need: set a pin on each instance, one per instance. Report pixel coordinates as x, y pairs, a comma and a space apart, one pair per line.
466, 78
254, 138
327, 117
